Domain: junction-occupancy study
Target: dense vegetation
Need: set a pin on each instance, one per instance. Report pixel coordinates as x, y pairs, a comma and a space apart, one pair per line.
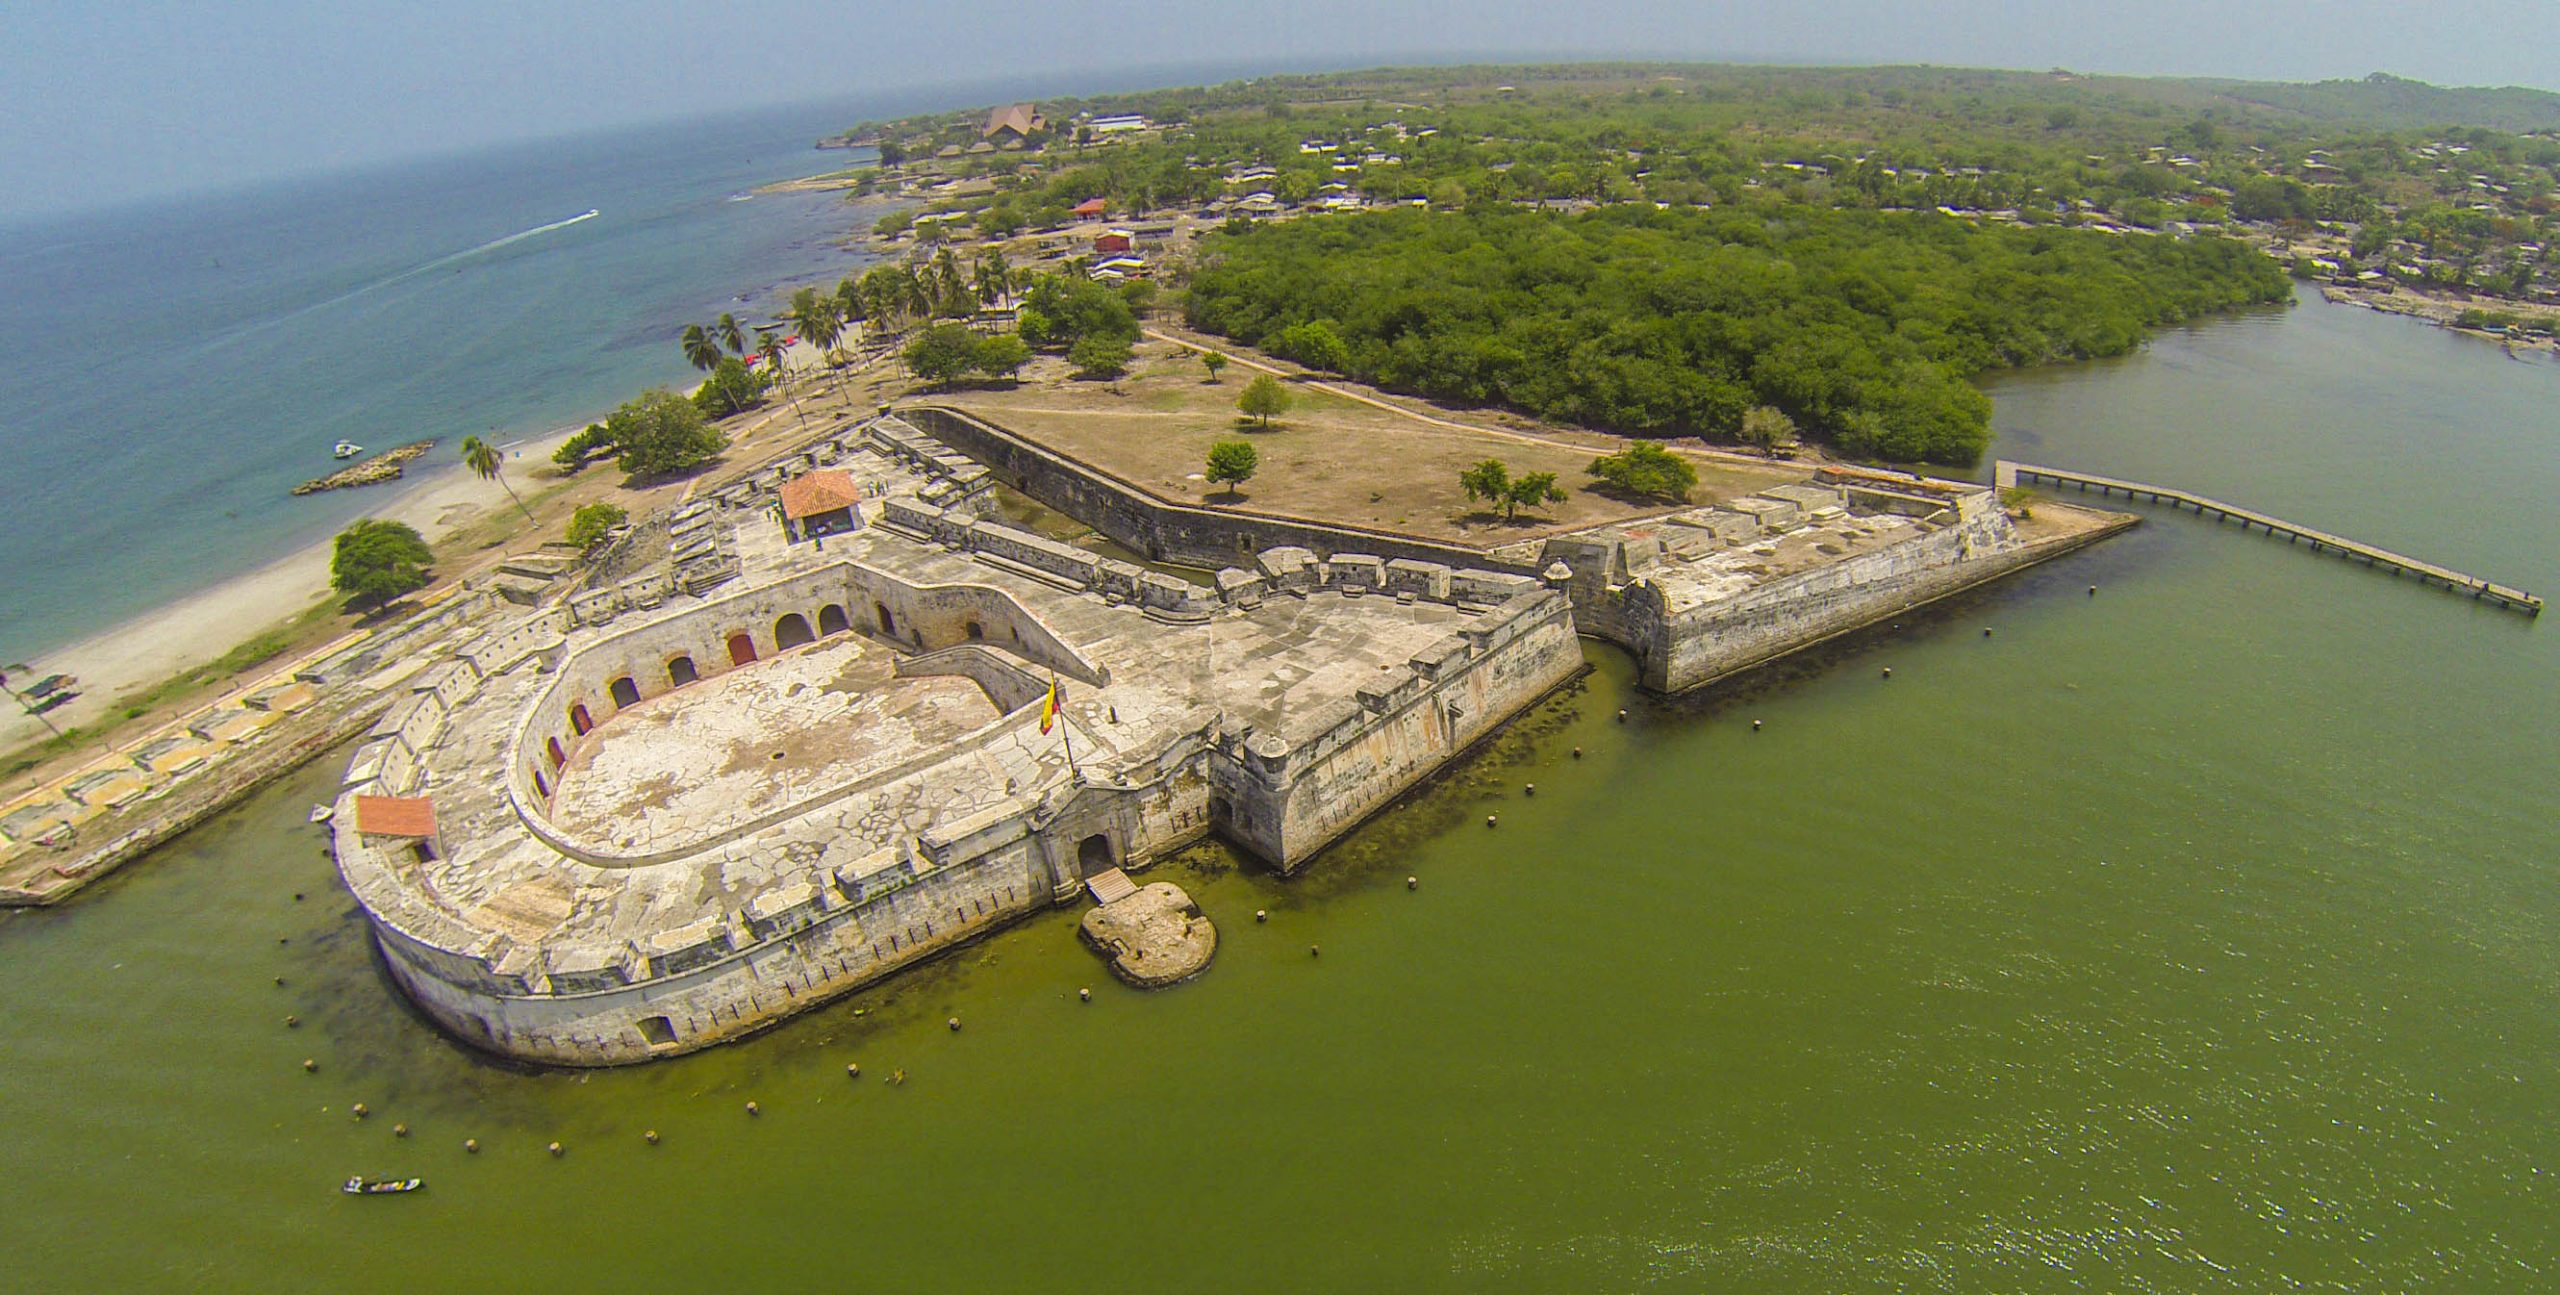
1864, 325
375, 561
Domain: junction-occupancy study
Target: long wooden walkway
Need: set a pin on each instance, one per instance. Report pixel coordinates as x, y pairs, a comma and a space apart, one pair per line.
2006, 474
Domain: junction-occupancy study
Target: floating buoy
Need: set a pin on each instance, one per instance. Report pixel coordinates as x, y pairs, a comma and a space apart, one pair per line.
1577, 753
753, 1109
1490, 820
1529, 790
279, 981
1315, 951
1261, 915
2093, 591
471, 1145
360, 1111
282, 940
1622, 716
650, 1137
557, 1150
292, 1022
297, 895
399, 1130
1986, 631
853, 1070
308, 1065
1755, 726
1888, 672
1413, 883
1084, 995
954, 1023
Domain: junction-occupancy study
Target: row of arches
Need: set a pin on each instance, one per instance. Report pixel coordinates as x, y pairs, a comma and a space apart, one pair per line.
791, 630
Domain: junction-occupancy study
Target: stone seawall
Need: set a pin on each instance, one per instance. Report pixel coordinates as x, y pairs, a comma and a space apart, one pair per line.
1165, 532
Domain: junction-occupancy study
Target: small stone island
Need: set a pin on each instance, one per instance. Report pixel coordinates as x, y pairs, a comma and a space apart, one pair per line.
793, 735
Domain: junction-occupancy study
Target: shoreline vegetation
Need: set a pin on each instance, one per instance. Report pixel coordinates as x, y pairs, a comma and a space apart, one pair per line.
1676, 246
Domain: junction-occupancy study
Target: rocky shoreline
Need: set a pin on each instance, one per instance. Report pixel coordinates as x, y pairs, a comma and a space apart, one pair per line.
389, 465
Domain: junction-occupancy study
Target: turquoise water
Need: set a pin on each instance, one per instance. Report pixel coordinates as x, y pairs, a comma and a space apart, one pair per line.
179, 367
2195, 936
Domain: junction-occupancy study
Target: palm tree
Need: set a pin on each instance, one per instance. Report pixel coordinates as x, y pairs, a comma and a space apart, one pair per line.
770, 347
730, 335
993, 276
486, 463
699, 349
816, 320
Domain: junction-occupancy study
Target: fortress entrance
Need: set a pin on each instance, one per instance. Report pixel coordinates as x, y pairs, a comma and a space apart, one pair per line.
681, 672
792, 631
626, 692
742, 649
831, 620
1093, 854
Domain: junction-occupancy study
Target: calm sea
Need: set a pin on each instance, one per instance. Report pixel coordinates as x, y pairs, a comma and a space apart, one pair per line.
176, 368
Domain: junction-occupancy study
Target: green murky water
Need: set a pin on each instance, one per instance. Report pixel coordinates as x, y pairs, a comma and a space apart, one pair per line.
2197, 936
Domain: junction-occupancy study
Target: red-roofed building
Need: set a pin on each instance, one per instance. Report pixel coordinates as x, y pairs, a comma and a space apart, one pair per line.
824, 502
400, 818
1090, 207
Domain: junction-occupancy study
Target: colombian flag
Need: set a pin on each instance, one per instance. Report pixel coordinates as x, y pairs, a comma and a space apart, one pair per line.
1049, 708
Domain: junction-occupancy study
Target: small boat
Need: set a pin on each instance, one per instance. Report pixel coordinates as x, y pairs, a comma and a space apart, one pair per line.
345, 450
323, 813
381, 1186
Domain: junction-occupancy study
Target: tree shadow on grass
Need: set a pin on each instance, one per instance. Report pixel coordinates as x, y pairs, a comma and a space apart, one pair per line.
651, 481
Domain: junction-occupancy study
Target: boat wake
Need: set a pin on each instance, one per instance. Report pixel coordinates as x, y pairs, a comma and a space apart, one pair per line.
405, 275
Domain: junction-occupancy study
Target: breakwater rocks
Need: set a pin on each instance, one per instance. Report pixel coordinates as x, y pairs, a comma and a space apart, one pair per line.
386, 466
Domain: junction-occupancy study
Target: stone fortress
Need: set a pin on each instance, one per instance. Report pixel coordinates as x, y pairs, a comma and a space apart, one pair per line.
788, 737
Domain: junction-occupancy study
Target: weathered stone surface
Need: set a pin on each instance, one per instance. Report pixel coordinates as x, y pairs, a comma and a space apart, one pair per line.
1153, 938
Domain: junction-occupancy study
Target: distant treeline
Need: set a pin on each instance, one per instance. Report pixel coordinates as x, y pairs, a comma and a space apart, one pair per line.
1863, 325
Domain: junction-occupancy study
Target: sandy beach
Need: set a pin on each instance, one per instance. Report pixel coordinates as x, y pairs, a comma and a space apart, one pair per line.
204, 625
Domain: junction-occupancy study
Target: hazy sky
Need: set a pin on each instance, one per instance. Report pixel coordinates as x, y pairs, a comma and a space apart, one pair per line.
107, 100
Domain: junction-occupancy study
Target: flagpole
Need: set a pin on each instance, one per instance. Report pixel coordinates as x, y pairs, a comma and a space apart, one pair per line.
1063, 739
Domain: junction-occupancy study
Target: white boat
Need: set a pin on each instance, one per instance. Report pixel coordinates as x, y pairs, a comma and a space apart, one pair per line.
346, 449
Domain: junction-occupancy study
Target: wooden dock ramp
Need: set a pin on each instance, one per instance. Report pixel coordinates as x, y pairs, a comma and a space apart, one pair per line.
1110, 886
2006, 474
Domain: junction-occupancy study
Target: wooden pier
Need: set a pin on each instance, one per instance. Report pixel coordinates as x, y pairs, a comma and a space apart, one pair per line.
2006, 474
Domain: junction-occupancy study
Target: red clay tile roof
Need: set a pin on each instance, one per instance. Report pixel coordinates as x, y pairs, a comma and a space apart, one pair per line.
1091, 207
822, 491
395, 816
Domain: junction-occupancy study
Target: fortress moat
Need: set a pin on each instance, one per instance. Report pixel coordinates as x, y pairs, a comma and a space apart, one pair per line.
790, 737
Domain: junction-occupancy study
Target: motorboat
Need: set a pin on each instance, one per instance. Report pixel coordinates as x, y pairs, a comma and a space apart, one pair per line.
345, 450
381, 1186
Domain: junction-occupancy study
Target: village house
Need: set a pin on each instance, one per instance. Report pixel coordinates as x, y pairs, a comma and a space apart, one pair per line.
1016, 120
824, 502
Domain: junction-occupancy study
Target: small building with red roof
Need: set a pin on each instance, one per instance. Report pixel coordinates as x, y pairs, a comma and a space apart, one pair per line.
1090, 208
823, 502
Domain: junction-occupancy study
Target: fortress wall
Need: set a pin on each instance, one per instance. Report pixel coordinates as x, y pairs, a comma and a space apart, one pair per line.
1286, 803
1166, 532
842, 946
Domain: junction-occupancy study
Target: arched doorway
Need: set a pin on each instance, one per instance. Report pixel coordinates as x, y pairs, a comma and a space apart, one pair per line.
742, 648
831, 620
1093, 854
579, 720
681, 672
626, 692
887, 625
551, 746
792, 631
976, 631
541, 788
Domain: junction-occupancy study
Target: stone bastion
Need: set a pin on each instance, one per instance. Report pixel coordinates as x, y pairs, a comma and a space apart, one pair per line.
642, 820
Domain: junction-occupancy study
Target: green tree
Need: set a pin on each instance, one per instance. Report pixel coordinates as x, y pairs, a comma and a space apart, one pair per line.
700, 349
938, 355
1000, 355
591, 522
1487, 482
575, 452
1099, 356
769, 345
375, 561
1264, 399
1645, 468
1232, 463
732, 388
1314, 344
1213, 361
1528, 490
726, 330
1767, 429
489, 464
661, 432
